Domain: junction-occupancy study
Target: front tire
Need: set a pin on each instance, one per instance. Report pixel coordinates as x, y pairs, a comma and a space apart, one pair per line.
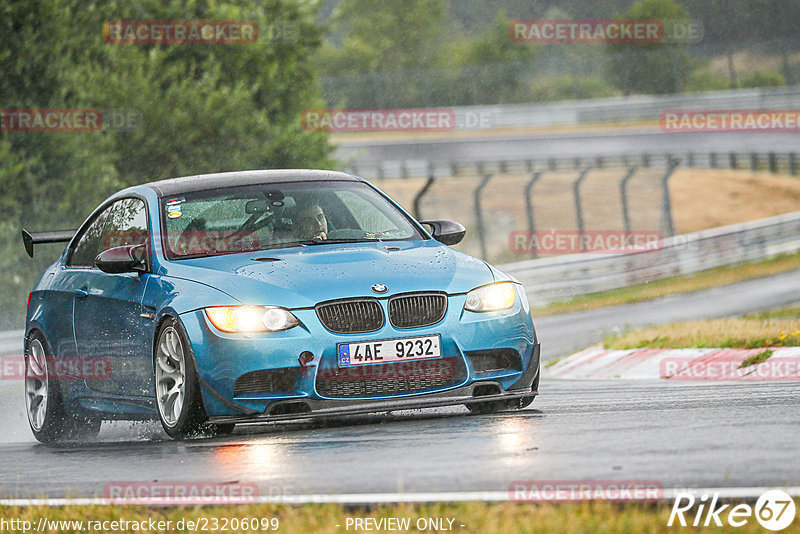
178, 395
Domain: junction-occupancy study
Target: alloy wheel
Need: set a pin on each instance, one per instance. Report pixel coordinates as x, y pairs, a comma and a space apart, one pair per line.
36, 384
170, 376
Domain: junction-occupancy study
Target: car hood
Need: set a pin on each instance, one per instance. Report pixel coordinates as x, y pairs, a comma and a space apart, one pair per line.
300, 277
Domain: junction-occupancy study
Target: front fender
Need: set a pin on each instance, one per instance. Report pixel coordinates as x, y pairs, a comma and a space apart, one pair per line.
179, 295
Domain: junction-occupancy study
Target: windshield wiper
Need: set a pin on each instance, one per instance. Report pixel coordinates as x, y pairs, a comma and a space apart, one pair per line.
318, 241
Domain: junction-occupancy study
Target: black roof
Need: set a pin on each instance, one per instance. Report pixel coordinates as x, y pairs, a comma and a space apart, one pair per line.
189, 184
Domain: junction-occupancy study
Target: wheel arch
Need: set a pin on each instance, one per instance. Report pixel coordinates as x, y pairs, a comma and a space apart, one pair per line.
166, 315
35, 328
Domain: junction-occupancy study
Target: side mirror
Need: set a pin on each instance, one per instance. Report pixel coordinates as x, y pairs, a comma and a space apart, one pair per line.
126, 259
447, 232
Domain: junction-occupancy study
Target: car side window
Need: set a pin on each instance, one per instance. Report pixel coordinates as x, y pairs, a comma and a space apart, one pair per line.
88, 246
126, 225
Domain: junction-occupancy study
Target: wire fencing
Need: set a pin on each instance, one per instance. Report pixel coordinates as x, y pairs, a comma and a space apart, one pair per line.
513, 208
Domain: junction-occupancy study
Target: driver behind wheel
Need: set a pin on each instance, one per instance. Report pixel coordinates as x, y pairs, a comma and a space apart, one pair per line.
311, 223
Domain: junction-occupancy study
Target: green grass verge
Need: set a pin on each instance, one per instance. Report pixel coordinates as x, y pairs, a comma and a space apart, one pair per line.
788, 312
674, 285
505, 518
756, 359
775, 328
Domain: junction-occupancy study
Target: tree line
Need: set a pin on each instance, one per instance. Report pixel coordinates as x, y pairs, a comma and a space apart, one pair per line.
435, 52
172, 109
183, 109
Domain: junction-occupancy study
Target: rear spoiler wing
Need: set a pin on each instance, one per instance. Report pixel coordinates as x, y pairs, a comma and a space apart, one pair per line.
29, 239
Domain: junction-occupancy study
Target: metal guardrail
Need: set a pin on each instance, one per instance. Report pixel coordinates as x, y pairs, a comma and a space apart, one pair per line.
775, 162
11, 342
598, 111
621, 109
560, 278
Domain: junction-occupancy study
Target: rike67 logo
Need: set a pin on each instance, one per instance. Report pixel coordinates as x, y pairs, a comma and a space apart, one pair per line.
774, 510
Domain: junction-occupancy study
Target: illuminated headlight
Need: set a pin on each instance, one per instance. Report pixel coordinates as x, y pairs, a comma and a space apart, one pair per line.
249, 319
494, 297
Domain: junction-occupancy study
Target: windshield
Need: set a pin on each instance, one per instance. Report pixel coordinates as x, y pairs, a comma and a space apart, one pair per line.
279, 215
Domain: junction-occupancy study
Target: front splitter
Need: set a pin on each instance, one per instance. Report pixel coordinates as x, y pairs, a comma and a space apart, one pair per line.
325, 408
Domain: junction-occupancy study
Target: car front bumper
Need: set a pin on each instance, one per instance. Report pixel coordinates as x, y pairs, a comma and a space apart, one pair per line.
222, 359
324, 408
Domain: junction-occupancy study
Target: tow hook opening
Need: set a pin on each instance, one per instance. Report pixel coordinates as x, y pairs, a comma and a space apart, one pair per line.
486, 389
288, 408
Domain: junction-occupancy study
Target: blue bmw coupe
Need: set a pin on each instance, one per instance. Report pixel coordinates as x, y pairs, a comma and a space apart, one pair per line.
246, 297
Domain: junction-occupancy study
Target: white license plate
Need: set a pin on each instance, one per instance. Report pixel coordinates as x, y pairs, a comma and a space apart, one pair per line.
389, 350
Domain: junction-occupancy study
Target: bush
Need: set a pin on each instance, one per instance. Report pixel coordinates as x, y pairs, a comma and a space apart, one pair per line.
568, 87
703, 80
763, 79
651, 68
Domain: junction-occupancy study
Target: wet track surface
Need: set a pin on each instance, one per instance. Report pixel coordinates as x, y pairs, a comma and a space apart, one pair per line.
569, 332
678, 434
675, 434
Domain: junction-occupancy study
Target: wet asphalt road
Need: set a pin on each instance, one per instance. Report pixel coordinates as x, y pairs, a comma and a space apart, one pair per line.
678, 434
566, 333
675, 434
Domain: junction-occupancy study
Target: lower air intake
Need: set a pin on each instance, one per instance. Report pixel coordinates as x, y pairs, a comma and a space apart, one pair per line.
484, 361
267, 381
389, 379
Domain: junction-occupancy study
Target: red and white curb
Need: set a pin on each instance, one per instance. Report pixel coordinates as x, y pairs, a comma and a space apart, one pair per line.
597, 363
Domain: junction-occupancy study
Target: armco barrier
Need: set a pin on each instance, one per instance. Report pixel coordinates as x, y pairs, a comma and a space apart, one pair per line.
559, 278
609, 111
621, 109
774, 162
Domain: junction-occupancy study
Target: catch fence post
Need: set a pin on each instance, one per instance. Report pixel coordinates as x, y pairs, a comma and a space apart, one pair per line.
666, 202
479, 215
421, 193
576, 191
529, 208
623, 195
